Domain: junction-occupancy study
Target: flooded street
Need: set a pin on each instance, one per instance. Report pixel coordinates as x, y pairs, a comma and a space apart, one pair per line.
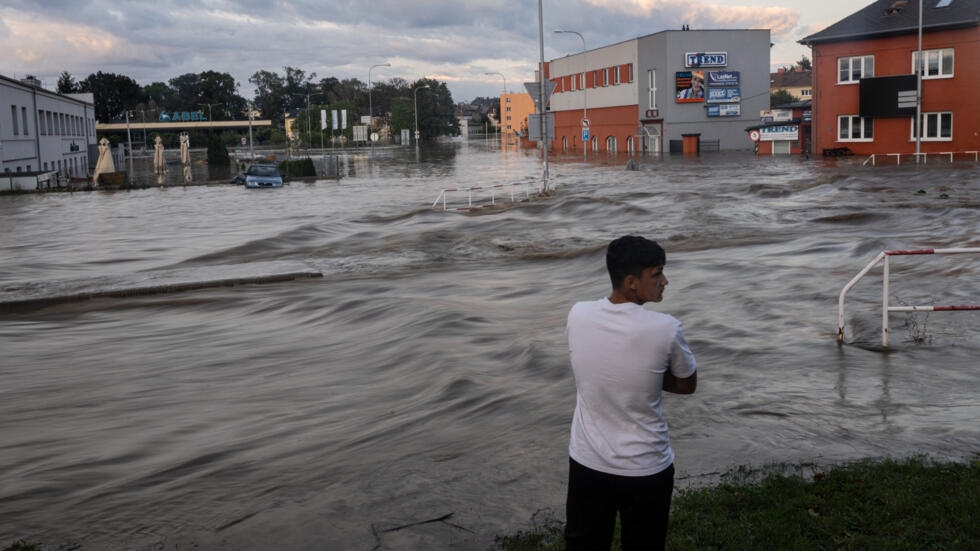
336, 364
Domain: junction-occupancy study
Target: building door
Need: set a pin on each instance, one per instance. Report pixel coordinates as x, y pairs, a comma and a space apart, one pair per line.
781, 147
650, 139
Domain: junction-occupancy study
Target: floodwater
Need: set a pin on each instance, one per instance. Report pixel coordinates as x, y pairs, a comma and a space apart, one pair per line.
409, 387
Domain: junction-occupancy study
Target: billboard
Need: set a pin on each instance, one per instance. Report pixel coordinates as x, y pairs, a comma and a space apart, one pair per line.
724, 78
882, 97
776, 115
689, 86
724, 95
725, 110
780, 133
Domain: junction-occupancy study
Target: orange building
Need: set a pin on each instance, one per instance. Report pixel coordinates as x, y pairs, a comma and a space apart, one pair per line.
514, 109
865, 79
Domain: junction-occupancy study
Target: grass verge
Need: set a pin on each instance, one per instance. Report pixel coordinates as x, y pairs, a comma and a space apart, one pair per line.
912, 504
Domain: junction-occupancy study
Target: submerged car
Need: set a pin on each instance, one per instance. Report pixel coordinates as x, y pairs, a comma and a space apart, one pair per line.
262, 176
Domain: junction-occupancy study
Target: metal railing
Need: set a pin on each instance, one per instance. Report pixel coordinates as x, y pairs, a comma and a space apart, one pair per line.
486, 196
885, 308
922, 157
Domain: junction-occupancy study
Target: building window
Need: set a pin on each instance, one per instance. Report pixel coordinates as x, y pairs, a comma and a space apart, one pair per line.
581, 80
936, 127
605, 77
854, 128
805, 93
40, 120
616, 74
852, 69
631, 73
23, 116
13, 119
595, 78
652, 89
939, 63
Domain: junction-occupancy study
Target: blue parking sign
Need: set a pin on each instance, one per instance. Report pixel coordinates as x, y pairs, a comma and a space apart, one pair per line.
585, 134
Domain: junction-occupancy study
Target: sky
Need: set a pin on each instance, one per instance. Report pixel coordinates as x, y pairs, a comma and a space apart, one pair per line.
454, 41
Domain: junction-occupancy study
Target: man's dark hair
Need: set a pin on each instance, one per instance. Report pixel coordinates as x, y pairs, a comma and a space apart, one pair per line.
630, 255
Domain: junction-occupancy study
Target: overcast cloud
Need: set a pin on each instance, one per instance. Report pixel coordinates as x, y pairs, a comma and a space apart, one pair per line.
456, 41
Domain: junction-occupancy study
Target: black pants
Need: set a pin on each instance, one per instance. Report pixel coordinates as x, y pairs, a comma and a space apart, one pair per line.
594, 498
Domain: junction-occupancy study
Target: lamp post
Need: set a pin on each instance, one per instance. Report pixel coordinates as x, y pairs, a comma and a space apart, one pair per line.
585, 87
309, 130
416, 93
370, 104
210, 119
501, 108
501, 76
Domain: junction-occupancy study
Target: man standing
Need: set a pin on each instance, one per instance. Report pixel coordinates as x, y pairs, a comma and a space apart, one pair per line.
623, 356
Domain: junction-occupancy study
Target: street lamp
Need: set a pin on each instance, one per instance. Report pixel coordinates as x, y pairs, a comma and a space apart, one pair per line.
585, 87
210, 119
416, 93
309, 131
370, 104
501, 76
500, 107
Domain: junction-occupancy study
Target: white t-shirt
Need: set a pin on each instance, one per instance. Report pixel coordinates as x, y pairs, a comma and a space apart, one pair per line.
619, 354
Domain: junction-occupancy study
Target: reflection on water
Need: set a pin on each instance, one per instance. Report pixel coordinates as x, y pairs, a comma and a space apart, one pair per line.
424, 374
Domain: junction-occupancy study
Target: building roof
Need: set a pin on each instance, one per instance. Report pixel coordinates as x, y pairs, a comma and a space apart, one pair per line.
791, 79
885, 18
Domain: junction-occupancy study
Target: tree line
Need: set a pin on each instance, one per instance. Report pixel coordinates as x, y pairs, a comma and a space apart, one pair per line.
215, 95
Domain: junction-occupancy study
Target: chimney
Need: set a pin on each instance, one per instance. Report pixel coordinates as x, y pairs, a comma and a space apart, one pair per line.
781, 71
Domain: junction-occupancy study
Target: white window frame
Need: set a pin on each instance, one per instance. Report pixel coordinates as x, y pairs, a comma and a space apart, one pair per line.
935, 59
652, 88
631, 73
616, 74
866, 124
857, 68
933, 125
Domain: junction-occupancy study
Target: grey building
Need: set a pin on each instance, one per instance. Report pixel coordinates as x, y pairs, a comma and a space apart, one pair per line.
650, 93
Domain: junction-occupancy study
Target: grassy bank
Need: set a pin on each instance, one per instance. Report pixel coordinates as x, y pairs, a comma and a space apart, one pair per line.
868, 505
889, 505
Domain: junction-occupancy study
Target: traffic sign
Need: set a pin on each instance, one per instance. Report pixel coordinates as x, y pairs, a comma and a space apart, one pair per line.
585, 123
585, 134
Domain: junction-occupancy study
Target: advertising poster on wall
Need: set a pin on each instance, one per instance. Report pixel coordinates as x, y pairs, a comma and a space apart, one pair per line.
724, 95
690, 86
725, 110
724, 78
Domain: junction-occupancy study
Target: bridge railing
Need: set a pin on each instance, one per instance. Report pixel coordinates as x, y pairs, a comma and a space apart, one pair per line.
885, 308
922, 158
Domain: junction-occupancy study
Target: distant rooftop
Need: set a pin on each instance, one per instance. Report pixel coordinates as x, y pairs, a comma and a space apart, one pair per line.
898, 17
791, 79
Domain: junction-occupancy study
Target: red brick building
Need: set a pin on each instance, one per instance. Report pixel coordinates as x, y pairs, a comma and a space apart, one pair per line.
865, 82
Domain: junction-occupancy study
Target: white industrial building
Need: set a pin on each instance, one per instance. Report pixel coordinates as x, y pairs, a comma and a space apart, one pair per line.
43, 131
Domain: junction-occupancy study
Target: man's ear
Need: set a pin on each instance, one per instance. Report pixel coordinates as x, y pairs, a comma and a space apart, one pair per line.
630, 282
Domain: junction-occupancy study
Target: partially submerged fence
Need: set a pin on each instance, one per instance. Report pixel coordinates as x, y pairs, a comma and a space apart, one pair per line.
483, 196
922, 157
885, 308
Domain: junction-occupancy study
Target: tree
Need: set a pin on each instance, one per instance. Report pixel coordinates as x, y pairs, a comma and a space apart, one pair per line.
217, 152
402, 115
804, 63
114, 94
67, 84
437, 113
781, 97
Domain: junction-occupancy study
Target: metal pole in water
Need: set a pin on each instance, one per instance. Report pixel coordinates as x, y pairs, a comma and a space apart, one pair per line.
541, 92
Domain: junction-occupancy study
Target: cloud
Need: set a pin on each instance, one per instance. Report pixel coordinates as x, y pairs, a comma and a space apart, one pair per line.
454, 40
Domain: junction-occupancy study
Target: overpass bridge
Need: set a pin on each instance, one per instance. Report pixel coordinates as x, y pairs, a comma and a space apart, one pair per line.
176, 126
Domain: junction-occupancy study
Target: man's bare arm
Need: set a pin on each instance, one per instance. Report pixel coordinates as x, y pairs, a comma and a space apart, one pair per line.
680, 386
